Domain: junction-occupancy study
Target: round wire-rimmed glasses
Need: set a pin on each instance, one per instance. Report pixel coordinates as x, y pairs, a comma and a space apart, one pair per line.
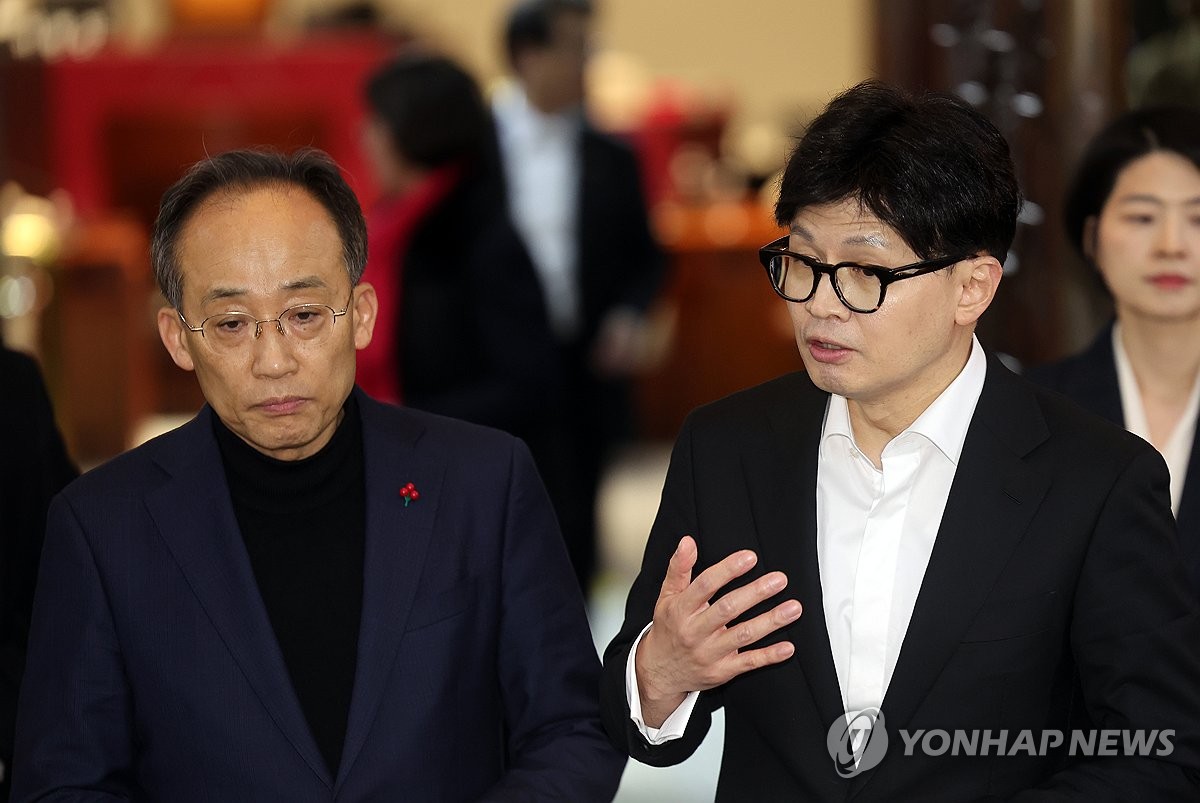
310, 324
860, 288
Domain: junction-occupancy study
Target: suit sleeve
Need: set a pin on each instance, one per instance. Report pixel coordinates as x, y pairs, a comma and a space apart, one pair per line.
676, 518
75, 716
547, 661
644, 266
1135, 635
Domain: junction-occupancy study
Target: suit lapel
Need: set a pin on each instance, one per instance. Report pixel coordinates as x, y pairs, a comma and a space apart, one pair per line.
992, 500
195, 518
1092, 382
785, 517
397, 541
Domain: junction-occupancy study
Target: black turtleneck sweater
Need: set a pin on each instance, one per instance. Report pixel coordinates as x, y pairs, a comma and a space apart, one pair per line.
303, 523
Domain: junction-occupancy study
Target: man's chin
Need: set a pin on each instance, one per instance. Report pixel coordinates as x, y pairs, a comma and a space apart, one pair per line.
826, 377
282, 443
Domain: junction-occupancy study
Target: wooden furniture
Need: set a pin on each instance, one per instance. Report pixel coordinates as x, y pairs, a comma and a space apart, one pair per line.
729, 329
104, 339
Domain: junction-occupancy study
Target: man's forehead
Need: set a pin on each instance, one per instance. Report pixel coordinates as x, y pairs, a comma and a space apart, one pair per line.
240, 290
846, 222
261, 241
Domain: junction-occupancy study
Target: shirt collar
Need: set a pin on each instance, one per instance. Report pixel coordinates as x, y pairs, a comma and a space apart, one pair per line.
944, 423
517, 117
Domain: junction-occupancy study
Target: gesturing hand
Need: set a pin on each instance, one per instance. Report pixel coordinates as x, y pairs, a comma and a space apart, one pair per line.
691, 647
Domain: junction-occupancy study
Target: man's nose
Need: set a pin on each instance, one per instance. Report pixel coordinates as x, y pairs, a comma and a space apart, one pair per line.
273, 353
825, 302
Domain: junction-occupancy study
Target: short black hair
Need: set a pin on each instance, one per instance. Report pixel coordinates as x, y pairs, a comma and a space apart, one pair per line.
928, 165
433, 111
241, 171
531, 23
1138, 133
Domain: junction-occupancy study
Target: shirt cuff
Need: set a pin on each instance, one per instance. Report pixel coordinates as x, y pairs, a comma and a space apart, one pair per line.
674, 725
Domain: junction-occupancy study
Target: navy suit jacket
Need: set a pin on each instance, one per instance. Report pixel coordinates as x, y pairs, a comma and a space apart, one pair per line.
1053, 600
1090, 380
154, 673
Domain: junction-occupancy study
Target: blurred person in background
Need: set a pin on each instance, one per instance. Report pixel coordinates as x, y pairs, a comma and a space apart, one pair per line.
302, 594
576, 198
1132, 211
462, 329
34, 467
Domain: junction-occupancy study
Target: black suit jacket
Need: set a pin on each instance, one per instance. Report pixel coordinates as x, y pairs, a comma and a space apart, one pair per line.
620, 263
1090, 380
474, 341
1053, 599
34, 466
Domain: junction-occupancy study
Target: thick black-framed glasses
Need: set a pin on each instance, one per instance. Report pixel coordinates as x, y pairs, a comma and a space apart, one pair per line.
860, 288
310, 324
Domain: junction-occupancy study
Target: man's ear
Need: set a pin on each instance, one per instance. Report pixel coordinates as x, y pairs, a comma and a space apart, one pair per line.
366, 309
978, 288
174, 338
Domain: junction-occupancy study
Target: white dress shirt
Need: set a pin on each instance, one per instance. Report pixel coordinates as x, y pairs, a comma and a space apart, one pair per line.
1178, 449
875, 532
542, 171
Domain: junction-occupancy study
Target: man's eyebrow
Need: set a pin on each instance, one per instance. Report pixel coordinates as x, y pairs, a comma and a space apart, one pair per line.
874, 239
307, 283
218, 293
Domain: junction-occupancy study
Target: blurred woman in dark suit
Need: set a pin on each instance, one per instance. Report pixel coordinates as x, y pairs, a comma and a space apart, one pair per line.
462, 328
1133, 212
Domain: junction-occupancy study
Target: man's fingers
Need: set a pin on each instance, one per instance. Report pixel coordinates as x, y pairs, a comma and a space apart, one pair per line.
733, 604
712, 579
739, 663
679, 569
743, 634
756, 659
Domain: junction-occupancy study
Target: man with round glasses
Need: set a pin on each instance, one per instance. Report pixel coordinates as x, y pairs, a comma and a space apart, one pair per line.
908, 539
302, 594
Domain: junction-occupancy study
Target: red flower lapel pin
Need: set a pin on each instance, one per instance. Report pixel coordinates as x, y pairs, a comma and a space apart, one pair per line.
410, 493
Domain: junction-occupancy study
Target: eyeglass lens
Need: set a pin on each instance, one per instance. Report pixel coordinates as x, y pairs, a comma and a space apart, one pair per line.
306, 323
859, 288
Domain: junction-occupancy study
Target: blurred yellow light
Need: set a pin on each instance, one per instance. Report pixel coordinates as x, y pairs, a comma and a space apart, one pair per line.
27, 234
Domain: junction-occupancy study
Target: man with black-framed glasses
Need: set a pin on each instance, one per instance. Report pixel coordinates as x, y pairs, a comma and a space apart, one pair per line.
302, 594
888, 568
